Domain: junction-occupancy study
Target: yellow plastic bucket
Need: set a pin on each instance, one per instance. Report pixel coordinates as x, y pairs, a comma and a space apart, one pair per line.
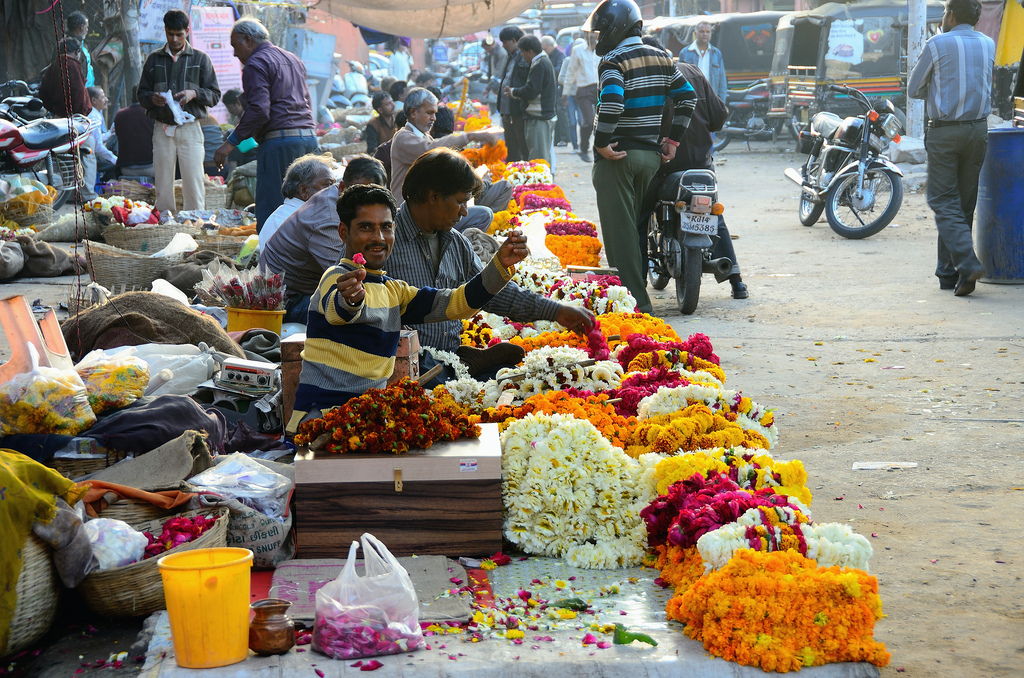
207, 595
240, 320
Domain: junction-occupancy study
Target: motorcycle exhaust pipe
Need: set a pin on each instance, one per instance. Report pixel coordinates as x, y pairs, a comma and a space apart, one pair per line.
721, 268
729, 129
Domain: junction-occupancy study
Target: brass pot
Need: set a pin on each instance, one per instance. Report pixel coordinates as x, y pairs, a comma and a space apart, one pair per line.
271, 631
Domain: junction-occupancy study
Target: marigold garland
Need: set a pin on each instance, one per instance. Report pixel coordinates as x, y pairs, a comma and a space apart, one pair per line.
695, 427
503, 222
779, 611
673, 358
574, 250
594, 409
754, 471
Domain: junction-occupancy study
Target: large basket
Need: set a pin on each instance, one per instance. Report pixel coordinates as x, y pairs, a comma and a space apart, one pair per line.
146, 238
18, 212
76, 468
133, 190
137, 512
228, 245
112, 266
37, 591
216, 195
137, 590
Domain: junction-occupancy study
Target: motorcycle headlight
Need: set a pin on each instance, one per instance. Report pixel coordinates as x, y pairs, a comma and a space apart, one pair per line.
891, 125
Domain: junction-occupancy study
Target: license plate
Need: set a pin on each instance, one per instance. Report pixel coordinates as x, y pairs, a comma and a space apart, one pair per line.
705, 224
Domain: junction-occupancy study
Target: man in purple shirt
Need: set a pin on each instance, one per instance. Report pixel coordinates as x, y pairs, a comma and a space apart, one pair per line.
278, 112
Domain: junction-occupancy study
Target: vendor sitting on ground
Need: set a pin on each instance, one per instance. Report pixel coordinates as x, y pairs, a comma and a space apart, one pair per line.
306, 176
307, 243
431, 252
356, 314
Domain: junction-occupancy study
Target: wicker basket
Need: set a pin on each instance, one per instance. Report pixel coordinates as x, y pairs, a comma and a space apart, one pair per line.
228, 245
17, 212
146, 238
137, 590
216, 195
111, 266
137, 512
37, 591
76, 468
133, 190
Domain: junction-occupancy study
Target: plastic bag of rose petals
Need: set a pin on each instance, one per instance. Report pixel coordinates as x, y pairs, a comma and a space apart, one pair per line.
368, 615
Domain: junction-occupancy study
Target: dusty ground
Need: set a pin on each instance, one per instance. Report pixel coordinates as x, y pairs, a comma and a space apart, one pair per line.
865, 359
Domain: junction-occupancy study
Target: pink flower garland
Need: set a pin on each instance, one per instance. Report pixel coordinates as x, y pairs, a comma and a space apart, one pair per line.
638, 386
563, 227
530, 188
535, 202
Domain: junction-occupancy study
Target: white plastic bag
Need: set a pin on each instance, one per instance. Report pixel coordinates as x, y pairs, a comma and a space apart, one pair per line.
370, 615
115, 543
45, 400
252, 483
188, 364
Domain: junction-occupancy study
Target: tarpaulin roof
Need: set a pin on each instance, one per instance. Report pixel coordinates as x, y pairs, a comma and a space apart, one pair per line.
426, 18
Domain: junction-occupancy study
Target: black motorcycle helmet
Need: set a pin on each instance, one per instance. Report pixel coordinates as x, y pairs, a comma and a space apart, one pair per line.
613, 20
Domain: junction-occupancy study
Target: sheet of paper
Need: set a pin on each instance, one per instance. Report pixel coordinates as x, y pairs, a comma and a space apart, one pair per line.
180, 116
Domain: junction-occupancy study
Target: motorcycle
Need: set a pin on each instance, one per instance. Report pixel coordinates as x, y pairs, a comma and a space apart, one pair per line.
681, 234
845, 174
46, 148
748, 117
22, 100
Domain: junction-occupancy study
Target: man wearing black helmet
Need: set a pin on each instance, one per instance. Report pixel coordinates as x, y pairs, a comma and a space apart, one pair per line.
635, 81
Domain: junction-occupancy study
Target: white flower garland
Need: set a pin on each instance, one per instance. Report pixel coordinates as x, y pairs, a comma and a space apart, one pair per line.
569, 493
450, 359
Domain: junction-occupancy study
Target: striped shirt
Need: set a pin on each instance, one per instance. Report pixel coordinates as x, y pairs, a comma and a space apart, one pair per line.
411, 261
954, 75
350, 349
636, 80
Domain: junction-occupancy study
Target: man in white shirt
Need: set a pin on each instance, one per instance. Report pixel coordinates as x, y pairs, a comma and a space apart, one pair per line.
579, 80
306, 176
400, 62
101, 161
708, 58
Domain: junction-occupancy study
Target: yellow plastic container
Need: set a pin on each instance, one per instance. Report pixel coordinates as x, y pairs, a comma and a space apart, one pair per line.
207, 595
240, 320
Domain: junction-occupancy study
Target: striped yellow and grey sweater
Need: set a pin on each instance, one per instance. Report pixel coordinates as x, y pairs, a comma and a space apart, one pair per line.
350, 349
635, 82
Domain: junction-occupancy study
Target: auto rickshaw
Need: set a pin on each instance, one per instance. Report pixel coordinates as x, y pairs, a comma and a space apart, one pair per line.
747, 41
863, 45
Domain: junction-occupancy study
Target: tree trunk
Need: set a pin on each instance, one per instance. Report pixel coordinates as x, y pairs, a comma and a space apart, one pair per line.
132, 53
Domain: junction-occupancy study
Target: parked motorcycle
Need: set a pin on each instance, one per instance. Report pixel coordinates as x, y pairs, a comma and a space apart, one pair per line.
845, 174
681, 234
45, 148
748, 118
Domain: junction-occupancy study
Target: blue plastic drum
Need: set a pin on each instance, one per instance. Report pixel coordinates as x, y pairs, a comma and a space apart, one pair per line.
999, 225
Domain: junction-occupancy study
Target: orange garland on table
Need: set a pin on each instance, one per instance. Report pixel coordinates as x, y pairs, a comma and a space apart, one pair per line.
780, 611
555, 193
695, 428
574, 250
491, 155
594, 409
622, 324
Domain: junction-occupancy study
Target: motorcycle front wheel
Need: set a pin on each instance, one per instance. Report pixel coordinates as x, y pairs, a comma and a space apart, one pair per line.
810, 211
855, 219
688, 284
657, 276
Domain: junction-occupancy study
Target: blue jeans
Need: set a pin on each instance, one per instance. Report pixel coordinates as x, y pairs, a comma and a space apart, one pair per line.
272, 159
574, 119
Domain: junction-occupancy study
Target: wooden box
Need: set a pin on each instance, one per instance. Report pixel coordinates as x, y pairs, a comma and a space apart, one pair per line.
441, 501
407, 364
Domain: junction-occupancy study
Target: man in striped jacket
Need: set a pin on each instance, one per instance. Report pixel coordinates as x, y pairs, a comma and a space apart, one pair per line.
635, 81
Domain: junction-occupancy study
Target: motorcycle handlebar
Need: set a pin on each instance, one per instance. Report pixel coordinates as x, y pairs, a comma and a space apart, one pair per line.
840, 89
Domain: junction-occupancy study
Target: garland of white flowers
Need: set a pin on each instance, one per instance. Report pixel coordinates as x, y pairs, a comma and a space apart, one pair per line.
827, 543
450, 359
570, 494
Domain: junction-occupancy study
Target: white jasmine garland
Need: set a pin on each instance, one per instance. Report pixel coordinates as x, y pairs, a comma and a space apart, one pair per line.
450, 359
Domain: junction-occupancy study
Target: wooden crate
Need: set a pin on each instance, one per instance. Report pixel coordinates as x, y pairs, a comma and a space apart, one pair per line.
441, 501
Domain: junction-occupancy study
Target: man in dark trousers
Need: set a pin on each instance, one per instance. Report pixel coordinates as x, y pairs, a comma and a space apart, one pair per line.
538, 97
278, 112
694, 152
557, 58
515, 74
954, 77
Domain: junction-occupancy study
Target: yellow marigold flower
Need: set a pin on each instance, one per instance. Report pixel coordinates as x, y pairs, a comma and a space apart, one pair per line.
512, 634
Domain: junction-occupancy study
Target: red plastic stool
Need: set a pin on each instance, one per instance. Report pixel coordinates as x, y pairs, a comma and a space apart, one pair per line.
22, 329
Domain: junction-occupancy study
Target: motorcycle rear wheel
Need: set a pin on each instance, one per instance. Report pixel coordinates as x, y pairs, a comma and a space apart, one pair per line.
810, 211
657, 276
688, 284
721, 141
850, 222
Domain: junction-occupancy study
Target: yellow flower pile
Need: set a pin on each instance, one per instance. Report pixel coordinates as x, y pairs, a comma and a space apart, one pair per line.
783, 477
693, 428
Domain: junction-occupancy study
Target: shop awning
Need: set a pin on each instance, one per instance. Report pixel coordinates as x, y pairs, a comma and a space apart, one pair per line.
426, 18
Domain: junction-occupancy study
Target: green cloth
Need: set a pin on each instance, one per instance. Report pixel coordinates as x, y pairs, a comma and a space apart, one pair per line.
28, 492
620, 187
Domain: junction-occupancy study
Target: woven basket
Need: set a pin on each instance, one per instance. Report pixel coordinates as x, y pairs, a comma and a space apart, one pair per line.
18, 213
146, 238
76, 468
133, 190
37, 591
228, 245
137, 512
216, 195
137, 590
111, 266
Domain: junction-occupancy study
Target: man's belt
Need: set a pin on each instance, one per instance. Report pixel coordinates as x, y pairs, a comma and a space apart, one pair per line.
296, 132
954, 123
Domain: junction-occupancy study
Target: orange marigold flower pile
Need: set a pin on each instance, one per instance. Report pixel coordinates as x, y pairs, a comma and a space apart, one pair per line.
621, 325
695, 428
574, 250
670, 358
492, 156
779, 611
594, 409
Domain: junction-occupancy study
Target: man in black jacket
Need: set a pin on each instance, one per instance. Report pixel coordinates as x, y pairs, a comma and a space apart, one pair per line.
538, 96
514, 75
694, 152
187, 74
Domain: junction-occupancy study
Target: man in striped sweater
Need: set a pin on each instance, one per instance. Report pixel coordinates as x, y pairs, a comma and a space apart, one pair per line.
635, 81
357, 312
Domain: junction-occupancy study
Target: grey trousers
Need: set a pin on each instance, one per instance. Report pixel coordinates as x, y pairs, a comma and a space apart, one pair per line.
539, 138
478, 217
497, 195
955, 156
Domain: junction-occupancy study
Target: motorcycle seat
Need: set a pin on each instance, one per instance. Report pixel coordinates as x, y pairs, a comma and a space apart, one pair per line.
825, 124
40, 134
758, 89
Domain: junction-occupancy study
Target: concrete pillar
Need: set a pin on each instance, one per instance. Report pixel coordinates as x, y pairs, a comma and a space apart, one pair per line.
916, 36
